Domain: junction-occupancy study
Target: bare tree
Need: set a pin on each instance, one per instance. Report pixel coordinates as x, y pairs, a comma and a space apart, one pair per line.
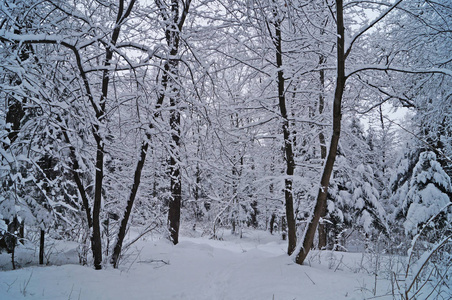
288, 143
174, 18
341, 78
97, 99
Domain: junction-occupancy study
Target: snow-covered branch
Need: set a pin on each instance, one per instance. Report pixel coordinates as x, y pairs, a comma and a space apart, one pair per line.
362, 68
349, 45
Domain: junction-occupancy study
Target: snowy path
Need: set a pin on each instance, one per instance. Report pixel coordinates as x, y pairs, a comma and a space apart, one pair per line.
197, 268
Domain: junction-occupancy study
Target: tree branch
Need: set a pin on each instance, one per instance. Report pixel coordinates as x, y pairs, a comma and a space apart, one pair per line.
366, 28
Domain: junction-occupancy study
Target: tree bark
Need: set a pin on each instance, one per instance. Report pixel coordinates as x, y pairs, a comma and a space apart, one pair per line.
272, 223
176, 187
96, 236
136, 183
337, 115
13, 257
100, 113
41, 247
175, 19
323, 151
288, 149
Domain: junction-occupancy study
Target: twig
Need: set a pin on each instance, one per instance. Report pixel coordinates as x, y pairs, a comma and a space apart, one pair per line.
310, 278
9, 285
340, 262
380, 296
153, 261
136, 257
146, 231
24, 289
70, 294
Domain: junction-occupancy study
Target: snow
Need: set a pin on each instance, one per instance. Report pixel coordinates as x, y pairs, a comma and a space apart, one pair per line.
255, 267
425, 202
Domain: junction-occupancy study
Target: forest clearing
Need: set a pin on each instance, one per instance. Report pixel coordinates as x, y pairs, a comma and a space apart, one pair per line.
252, 267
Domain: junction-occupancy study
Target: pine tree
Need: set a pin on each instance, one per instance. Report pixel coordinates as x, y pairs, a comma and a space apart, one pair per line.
354, 197
425, 194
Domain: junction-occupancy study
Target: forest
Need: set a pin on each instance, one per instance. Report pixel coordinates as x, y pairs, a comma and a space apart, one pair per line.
324, 124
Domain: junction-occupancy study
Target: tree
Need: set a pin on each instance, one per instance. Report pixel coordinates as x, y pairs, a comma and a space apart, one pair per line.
288, 143
354, 199
341, 79
337, 115
289, 60
424, 194
173, 17
16, 159
96, 95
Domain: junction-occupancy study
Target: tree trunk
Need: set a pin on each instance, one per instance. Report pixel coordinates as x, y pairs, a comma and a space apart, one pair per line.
290, 163
78, 181
175, 184
122, 14
337, 115
172, 34
14, 115
323, 151
136, 183
198, 212
41, 247
13, 257
96, 240
272, 223
176, 187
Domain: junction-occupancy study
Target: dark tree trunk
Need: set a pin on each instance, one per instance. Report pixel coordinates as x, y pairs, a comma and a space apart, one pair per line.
272, 223
198, 212
235, 200
337, 115
41, 247
288, 147
96, 240
136, 183
253, 214
323, 151
175, 21
283, 228
176, 187
78, 180
122, 14
13, 257
175, 184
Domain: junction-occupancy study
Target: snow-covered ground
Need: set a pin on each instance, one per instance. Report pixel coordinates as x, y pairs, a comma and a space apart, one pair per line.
254, 267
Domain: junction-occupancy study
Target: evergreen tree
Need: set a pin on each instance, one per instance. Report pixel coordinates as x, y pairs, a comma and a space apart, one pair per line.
354, 197
425, 194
